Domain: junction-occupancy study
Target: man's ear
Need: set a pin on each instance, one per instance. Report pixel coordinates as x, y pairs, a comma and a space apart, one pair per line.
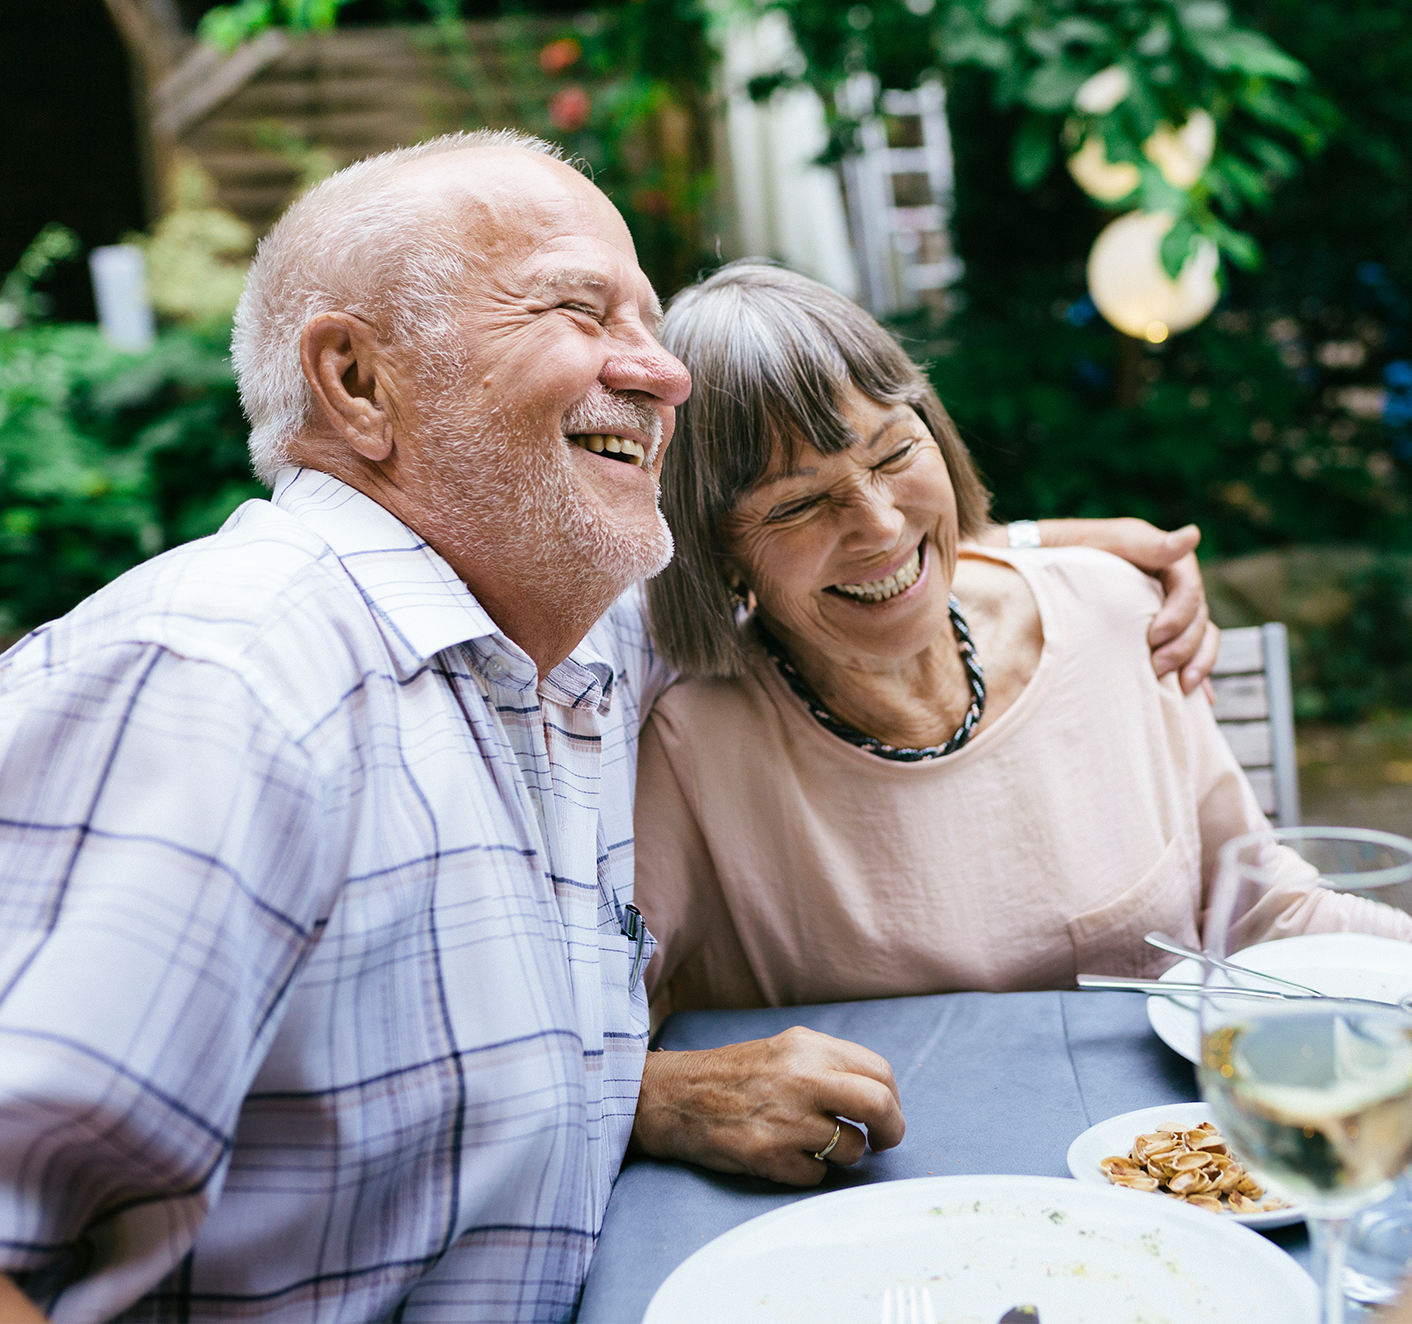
344, 368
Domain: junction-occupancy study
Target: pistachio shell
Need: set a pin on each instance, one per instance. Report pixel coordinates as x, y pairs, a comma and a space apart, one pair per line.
1134, 1181
1187, 1163
1188, 1183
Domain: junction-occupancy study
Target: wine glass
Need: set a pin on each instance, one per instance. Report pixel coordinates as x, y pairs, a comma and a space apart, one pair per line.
1314, 1094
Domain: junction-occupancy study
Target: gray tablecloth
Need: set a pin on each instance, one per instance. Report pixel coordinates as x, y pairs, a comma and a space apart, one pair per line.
990, 1083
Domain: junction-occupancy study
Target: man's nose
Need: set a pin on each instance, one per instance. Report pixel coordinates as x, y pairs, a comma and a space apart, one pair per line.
645, 366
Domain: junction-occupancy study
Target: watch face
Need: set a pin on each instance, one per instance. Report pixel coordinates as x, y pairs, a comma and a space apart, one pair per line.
1023, 533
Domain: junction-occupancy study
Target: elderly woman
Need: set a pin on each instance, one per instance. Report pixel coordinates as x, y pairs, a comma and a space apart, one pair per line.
900, 764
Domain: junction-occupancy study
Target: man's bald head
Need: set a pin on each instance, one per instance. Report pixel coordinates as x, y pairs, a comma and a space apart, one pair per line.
395, 240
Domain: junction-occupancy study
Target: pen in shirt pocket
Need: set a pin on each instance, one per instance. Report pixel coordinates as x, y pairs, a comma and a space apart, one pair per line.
635, 931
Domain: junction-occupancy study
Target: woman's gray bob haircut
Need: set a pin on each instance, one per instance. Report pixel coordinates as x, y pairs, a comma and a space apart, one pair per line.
770, 353
359, 243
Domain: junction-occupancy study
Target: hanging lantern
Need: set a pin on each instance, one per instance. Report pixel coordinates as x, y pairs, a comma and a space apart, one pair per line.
1182, 154
1100, 178
1129, 287
1106, 89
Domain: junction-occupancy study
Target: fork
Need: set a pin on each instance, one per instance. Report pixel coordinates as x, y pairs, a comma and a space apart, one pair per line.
907, 1305
1161, 941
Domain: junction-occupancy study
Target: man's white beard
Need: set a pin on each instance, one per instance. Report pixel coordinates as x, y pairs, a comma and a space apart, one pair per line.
505, 494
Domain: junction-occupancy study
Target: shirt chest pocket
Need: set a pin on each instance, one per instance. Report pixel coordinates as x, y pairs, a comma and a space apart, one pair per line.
1108, 940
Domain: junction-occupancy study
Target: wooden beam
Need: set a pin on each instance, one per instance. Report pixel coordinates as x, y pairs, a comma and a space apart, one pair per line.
153, 33
207, 78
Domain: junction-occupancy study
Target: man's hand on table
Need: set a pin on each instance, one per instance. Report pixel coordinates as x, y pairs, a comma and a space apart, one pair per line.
768, 1106
1182, 637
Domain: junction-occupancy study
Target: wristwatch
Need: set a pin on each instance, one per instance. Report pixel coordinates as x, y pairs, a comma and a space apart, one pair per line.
1023, 533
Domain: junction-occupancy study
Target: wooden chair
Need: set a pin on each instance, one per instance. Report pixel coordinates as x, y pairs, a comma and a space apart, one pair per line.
1255, 711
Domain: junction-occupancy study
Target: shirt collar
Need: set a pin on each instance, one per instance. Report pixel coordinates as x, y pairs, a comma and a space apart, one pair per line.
420, 605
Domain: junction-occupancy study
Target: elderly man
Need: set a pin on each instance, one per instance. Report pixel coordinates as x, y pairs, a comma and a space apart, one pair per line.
319, 974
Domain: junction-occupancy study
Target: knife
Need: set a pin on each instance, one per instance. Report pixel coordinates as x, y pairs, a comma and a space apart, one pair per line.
1167, 988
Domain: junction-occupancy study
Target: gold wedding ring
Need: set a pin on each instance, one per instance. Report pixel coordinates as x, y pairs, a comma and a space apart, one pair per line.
828, 1149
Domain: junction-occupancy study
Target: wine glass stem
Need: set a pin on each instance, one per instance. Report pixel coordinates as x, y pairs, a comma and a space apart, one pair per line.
1330, 1238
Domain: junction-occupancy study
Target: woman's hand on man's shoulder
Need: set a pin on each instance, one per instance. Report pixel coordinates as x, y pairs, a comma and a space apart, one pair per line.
1182, 636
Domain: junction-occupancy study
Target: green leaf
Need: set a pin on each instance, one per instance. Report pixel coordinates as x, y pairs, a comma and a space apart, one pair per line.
1032, 152
1049, 42
1176, 247
1247, 181
226, 26
1155, 194
1249, 53
1079, 31
1242, 249
1010, 85
1141, 109
1269, 106
1273, 156
1205, 16
764, 86
961, 39
1053, 84
1118, 143
1221, 187
1156, 41
976, 48
1001, 13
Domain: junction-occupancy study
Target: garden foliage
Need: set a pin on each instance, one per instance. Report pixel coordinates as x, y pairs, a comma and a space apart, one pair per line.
107, 457
1165, 59
1286, 418
1284, 421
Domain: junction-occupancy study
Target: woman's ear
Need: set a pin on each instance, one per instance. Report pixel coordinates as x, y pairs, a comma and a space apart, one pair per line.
345, 366
735, 581
741, 594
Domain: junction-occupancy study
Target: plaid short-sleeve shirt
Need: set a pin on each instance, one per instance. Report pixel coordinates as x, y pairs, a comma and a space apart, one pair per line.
314, 993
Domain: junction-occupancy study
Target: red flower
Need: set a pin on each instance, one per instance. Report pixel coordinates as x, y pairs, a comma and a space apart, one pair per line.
559, 55
568, 110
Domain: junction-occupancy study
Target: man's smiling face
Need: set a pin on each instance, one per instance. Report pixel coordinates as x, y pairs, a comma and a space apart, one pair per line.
544, 441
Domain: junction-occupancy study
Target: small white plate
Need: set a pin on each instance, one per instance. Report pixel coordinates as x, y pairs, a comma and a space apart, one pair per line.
1116, 1136
1355, 965
982, 1245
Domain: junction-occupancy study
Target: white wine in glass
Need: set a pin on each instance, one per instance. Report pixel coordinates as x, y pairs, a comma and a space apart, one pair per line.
1314, 1094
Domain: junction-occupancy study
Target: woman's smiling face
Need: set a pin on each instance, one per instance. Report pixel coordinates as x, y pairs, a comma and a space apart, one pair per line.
851, 556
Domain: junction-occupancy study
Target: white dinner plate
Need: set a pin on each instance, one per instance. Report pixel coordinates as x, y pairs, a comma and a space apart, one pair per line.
1116, 1136
1355, 965
982, 1245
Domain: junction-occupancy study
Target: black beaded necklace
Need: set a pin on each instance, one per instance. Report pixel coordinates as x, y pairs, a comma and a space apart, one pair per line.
872, 744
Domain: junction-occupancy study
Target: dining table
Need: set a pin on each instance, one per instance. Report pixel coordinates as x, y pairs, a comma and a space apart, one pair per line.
989, 1083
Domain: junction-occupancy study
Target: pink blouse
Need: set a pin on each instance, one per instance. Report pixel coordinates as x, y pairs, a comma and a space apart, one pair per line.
777, 864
